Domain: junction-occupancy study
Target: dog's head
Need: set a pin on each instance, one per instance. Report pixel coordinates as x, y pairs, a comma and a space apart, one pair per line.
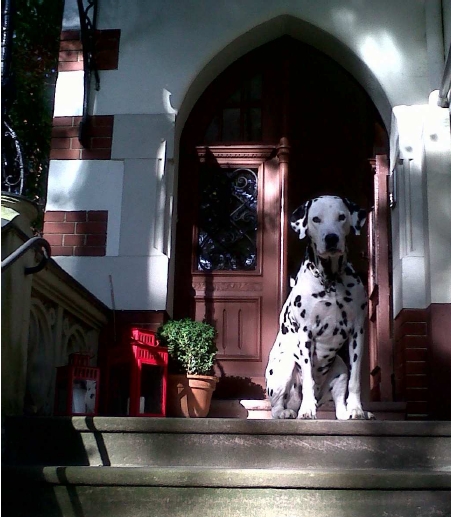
327, 220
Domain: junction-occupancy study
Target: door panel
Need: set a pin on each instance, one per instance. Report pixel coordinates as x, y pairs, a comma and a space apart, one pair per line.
235, 291
380, 342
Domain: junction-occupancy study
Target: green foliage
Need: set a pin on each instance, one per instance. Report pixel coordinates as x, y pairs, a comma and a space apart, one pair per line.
191, 344
35, 46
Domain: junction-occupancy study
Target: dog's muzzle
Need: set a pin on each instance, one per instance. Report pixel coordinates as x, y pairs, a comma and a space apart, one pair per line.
331, 240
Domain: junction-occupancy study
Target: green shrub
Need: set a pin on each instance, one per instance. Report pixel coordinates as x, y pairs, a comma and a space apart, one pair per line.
191, 344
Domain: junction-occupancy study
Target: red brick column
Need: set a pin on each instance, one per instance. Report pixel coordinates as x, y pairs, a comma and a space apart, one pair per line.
66, 146
106, 49
80, 233
411, 361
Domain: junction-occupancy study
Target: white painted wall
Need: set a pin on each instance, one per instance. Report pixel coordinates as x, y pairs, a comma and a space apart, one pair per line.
170, 52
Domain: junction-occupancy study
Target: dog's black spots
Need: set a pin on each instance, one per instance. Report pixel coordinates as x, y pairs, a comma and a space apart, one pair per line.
303, 313
300, 350
285, 396
363, 306
284, 329
296, 326
344, 315
326, 371
343, 333
305, 329
271, 372
354, 359
335, 332
336, 376
297, 301
325, 356
340, 305
295, 386
308, 344
315, 295
355, 335
270, 392
296, 356
332, 349
347, 299
306, 361
320, 332
331, 360
322, 294
351, 284
317, 320
361, 331
325, 326
310, 334
320, 368
354, 344
328, 304
348, 293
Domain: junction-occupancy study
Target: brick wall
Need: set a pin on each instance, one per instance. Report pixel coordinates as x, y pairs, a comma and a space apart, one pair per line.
106, 50
80, 233
66, 146
411, 361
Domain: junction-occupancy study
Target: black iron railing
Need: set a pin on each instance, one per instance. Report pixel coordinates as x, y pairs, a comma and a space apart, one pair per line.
36, 243
88, 25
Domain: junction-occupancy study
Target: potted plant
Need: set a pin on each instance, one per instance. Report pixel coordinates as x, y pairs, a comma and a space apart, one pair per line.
192, 349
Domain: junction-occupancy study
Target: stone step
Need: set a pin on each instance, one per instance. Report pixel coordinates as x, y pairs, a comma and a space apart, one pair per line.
212, 492
227, 443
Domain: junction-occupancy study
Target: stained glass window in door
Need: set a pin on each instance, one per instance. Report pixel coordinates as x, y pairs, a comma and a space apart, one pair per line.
239, 117
227, 222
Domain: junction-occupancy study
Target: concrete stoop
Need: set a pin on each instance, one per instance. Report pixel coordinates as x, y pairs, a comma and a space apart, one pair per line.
83, 467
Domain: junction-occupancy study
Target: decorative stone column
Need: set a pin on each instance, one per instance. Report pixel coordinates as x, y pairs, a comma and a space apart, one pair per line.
17, 215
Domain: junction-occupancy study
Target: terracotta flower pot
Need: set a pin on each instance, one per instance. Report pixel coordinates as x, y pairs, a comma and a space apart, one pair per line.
189, 396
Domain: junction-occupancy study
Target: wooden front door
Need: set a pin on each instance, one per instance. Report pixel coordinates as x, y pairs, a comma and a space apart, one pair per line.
239, 181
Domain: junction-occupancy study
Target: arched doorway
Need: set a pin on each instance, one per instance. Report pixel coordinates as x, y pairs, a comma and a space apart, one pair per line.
281, 125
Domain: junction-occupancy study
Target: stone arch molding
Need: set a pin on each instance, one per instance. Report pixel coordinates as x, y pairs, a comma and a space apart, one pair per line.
301, 30
41, 358
54, 334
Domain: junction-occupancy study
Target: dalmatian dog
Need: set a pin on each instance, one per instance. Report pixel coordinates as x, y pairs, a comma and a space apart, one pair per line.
325, 310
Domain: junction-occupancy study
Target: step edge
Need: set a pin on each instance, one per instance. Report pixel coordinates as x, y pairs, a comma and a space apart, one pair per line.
214, 477
238, 426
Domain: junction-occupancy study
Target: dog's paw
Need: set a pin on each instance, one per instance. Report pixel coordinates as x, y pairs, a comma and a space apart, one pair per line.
284, 414
359, 414
307, 413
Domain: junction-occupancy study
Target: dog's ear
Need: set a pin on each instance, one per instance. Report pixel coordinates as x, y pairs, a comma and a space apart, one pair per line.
358, 215
299, 219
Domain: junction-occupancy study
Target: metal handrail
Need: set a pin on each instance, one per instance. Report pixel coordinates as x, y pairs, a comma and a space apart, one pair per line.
35, 242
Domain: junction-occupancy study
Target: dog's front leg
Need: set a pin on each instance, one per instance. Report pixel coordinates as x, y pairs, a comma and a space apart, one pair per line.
306, 351
353, 402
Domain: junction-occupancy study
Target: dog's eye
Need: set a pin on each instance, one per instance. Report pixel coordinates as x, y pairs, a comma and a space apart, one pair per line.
316, 220
341, 217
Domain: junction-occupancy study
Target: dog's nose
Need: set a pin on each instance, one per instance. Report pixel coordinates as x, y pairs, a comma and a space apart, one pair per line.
331, 240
